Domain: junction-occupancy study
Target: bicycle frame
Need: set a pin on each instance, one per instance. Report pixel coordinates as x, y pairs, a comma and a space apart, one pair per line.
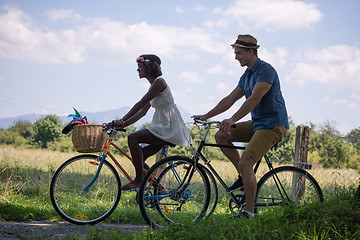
199, 155
106, 152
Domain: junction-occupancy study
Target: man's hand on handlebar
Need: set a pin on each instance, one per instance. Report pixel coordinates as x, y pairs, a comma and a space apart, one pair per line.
226, 124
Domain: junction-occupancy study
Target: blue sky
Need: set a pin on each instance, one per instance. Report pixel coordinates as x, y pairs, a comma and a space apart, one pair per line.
58, 54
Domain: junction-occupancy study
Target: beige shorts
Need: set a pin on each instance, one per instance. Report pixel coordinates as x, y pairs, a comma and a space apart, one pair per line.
260, 141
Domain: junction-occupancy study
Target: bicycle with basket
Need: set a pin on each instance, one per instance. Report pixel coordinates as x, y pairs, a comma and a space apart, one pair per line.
86, 189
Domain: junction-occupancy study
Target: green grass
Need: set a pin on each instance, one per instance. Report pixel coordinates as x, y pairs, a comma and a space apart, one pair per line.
25, 177
336, 218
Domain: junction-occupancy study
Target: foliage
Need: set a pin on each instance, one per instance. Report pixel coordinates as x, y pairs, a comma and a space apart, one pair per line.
63, 145
25, 175
23, 127
47, 129
326, 146
331, 148
354, 137
11, 138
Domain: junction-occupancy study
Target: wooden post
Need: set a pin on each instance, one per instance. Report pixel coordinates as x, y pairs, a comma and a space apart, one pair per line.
301, 146
300, 160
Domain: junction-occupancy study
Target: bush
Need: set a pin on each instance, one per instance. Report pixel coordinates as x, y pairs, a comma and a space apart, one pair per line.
47, 129
12, 138
64, 145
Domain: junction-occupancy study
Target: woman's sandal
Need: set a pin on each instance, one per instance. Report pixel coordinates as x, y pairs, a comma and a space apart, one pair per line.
130, 186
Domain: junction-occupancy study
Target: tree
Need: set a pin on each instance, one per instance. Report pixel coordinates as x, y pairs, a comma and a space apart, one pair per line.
23, 127
354, 138
330, 146
47, 129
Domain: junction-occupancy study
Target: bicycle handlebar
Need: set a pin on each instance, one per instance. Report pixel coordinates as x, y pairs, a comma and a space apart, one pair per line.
204, 122
111, 130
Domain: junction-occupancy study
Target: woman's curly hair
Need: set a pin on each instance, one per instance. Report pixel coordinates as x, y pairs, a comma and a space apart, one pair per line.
152, 64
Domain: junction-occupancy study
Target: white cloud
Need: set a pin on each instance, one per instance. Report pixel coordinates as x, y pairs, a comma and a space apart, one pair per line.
334, 67
277, 58
356, 97
224, 88
192, 77
340, 102
273, 14
70, 14
98, 39
196, 7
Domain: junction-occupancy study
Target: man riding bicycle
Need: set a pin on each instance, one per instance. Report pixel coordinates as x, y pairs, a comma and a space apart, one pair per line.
269, 120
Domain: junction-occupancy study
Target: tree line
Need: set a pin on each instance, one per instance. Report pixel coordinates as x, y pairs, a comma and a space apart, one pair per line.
327, 146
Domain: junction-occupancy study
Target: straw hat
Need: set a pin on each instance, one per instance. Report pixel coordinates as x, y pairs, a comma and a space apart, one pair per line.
246, 41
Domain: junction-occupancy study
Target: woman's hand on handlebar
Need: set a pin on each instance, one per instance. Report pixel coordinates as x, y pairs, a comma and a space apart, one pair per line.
117, 124
200, 117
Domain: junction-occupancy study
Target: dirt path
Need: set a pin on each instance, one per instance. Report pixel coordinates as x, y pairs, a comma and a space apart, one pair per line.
49, 230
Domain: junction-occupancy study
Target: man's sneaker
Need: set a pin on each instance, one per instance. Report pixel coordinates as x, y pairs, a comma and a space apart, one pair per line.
238, 185
244, 214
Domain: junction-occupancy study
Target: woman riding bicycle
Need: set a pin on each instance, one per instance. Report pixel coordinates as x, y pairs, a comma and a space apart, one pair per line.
167, 125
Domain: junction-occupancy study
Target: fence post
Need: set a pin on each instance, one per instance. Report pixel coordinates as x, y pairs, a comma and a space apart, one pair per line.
300, 160
301, 146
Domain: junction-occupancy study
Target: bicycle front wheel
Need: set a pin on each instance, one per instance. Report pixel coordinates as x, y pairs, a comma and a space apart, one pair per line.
174, 190
284, 185
78, 205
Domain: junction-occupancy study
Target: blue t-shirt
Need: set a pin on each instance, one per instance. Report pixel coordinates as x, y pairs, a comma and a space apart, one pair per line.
271, 110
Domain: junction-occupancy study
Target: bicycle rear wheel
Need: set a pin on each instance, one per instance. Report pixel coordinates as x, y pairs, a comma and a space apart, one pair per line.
77, 205
174, 191
284, 185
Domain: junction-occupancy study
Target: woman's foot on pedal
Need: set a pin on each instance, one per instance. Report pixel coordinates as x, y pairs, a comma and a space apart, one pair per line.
130, 186
163, 191
238, 185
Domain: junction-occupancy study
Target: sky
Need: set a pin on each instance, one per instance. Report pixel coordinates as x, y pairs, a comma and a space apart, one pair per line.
59, 54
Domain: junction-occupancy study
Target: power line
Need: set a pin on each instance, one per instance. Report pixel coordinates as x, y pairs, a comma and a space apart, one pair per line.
18, 104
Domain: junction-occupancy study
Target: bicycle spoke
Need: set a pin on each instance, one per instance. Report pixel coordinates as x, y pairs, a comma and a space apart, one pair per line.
184, 201
80, 206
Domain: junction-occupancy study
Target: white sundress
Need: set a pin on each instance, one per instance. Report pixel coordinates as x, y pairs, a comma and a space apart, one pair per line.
167, 123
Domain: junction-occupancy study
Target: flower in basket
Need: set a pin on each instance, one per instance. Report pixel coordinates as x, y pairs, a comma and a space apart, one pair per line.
77, 119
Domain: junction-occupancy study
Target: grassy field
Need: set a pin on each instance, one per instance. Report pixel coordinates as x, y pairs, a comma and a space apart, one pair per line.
25, 176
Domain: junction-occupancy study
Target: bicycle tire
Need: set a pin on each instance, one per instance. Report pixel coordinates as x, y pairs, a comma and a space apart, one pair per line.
79, 206
297, 186
182, 203
214, 192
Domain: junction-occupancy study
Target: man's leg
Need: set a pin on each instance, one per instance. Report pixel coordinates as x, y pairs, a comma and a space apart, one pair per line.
258, 146
232, 154
242, 133
246, 166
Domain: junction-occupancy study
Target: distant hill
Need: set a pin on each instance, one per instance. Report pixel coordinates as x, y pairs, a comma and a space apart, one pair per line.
93, 117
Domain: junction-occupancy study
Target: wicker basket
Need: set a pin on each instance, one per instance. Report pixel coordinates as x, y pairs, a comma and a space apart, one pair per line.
88, 138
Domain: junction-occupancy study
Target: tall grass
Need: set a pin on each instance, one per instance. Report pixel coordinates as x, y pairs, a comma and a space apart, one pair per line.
25, 176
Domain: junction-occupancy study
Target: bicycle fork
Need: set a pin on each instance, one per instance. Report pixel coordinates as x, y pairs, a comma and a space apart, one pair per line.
97, 173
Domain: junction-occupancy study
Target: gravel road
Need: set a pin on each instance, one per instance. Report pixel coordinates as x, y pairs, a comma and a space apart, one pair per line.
50, 230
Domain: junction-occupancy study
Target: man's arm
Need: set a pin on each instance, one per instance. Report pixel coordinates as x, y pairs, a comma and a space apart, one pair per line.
224, 104
260, 89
